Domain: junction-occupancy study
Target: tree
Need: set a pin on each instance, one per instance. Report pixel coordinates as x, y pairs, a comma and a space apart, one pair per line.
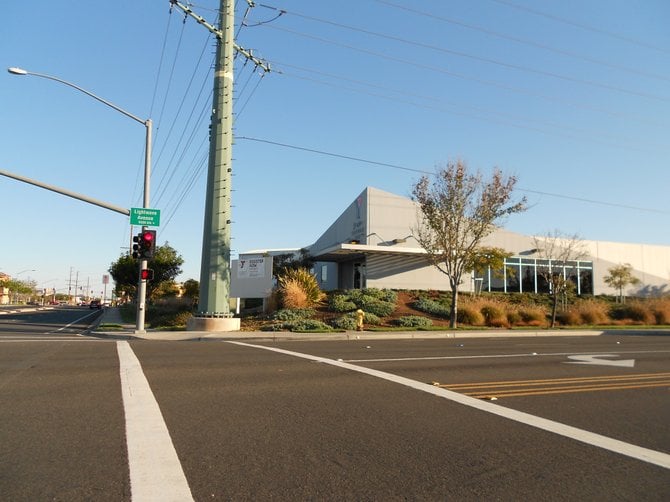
191, 289
558, 249
457, 210
619, 277
166, 289
166, 265
287, 261
490, 258
18, 289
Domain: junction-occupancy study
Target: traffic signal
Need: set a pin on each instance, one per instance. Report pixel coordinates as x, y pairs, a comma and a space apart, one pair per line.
147, 274
145, 244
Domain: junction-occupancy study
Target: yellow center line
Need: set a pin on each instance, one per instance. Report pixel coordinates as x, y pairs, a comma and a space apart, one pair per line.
565, 390
515, 388
554, 381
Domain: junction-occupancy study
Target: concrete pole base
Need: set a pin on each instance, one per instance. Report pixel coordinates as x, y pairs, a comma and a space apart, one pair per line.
213, 324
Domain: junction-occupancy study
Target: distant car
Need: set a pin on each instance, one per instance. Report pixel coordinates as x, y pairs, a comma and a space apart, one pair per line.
95, 304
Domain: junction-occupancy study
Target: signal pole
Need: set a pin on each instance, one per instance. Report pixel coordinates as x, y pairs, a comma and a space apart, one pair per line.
213, 307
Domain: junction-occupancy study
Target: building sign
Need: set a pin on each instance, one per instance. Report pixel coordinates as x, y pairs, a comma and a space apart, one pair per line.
251, 277
250, 268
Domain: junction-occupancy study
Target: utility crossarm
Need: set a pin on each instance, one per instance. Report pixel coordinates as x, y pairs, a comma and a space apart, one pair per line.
213, 29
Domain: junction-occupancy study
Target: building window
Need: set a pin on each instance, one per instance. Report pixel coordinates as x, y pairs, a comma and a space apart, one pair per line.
527, 275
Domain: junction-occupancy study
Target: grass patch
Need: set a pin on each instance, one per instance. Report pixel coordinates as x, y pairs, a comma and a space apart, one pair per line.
110, 327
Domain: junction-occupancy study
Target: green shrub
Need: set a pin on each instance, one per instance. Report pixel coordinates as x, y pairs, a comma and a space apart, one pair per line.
307, 325
380, 302
413, 321
272, 327
385, 295
170, 313
377, 307
292, 314
341, 303
299, 325
388, 295
432, 307
346, 322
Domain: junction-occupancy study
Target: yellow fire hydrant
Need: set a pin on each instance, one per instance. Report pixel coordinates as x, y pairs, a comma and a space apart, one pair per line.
360, 315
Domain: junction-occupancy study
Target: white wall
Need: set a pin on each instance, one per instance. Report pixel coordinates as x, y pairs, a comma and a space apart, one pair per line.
376, 218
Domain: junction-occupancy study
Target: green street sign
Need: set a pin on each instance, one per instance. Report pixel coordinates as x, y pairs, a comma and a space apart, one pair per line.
145, 217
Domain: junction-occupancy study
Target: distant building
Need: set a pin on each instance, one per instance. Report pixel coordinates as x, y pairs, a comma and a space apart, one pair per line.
4, 291
370, 245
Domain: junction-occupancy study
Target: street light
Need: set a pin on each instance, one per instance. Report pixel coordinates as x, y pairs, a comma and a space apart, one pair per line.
142, 285
24, 271
16, 294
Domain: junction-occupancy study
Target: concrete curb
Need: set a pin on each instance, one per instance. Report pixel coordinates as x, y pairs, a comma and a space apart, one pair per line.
349, 335
127, 332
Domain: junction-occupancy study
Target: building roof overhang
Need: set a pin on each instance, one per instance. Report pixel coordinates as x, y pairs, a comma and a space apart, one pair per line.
348, 251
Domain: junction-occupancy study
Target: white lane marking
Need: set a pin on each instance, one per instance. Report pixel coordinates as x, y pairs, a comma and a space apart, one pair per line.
155, 470
68, 325
630, 450
51, 340
596, 359
496, 356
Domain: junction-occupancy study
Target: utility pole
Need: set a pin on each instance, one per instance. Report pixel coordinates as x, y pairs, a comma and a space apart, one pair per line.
213, 307
69, 289
215, 264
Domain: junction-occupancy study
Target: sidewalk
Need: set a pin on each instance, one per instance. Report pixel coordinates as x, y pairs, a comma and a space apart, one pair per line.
127, 331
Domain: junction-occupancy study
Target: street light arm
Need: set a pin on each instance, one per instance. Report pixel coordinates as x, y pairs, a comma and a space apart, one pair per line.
141, 287
21, 71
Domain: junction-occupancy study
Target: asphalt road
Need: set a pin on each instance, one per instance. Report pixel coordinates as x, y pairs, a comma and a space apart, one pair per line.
45, 323
335, 420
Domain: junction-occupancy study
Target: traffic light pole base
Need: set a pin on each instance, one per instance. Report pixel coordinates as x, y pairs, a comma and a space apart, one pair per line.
213, 324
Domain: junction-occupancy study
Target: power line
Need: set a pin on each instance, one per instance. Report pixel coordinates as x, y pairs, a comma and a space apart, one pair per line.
251, 94
440, 69
475, 58
431, 173
477, 113
530, 43
332, 154
563, 20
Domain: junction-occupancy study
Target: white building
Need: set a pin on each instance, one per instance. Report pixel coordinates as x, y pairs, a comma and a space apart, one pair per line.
370, 245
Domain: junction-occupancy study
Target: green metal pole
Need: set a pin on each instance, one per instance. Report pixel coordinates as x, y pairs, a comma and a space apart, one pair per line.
215, 265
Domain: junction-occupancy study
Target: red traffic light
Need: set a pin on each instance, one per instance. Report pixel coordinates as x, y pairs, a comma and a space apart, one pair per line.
147, 274
146, 244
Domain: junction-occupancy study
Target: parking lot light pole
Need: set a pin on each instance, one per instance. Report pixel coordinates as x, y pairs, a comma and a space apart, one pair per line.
142, 284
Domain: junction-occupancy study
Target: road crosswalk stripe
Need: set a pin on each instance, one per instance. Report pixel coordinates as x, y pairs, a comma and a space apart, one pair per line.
155, 471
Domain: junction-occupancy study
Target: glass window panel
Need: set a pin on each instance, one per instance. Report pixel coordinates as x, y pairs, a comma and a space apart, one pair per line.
528, 278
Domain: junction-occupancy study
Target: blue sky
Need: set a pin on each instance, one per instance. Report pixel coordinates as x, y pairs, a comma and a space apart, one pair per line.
572, 97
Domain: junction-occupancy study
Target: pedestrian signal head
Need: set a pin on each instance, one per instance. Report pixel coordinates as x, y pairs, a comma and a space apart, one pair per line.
147, 274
